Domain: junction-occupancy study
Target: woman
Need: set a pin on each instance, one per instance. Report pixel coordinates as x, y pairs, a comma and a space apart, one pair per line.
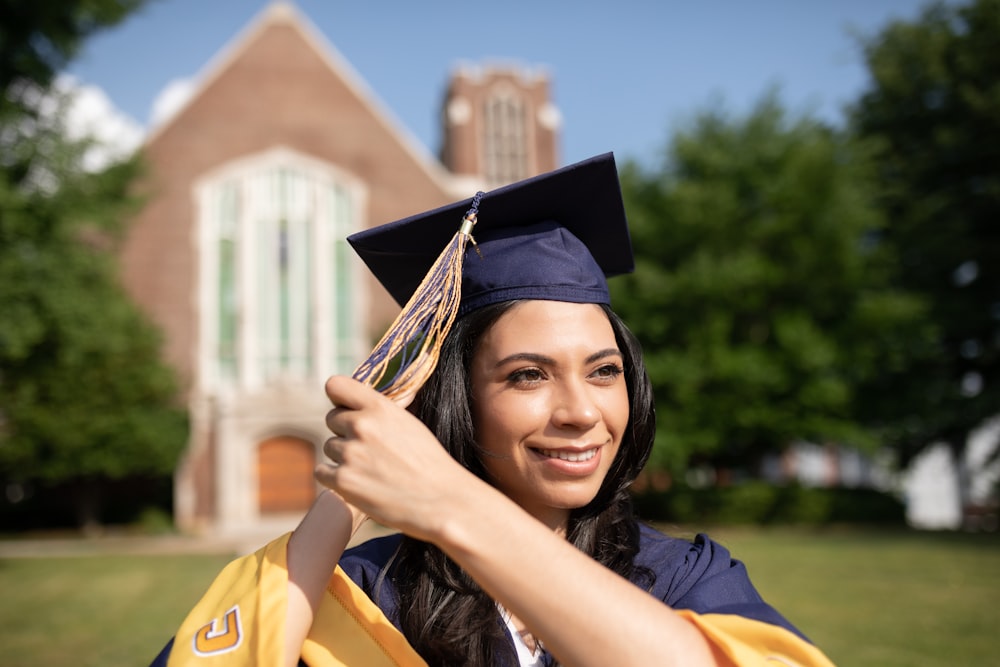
517, 541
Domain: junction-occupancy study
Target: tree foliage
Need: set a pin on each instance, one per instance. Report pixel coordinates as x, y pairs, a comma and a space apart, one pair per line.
759, 295
83, 393
932, 115
38, 39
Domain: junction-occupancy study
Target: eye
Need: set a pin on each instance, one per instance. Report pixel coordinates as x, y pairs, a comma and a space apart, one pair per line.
523, 377
608, 372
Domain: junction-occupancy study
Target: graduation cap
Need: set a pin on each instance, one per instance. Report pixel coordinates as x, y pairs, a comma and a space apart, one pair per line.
555, 237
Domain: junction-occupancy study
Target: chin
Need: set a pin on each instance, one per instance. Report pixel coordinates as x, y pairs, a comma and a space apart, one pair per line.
574, 500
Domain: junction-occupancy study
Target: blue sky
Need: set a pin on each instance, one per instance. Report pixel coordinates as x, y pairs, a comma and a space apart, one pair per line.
626, 73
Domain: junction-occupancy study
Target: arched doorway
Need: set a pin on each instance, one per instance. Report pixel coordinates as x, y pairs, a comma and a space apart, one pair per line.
285, 475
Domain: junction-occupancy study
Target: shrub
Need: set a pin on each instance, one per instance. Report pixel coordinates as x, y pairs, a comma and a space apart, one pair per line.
760, 503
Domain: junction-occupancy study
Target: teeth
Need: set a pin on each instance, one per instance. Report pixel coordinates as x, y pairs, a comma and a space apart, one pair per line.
568, 456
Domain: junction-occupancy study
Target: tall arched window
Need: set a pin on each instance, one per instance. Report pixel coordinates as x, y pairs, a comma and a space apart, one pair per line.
277, 289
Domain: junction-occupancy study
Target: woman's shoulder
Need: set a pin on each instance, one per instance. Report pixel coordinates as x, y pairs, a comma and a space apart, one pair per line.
701, 575
364, 562
683, 566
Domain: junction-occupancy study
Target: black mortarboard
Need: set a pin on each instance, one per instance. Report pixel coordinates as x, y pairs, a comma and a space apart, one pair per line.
555, 236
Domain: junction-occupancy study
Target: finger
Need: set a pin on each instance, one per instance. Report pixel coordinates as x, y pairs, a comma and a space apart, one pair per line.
346, 392
334, 449
326, 474
338, 422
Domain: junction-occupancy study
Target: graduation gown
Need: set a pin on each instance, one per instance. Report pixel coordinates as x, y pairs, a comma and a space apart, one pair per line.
239, 621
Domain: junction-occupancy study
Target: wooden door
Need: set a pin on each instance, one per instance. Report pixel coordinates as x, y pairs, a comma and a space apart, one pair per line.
285, 475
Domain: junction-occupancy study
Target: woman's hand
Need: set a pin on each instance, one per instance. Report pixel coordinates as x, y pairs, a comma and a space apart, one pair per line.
386, 463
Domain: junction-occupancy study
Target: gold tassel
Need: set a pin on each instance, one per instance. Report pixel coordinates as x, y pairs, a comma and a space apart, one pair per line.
424, 322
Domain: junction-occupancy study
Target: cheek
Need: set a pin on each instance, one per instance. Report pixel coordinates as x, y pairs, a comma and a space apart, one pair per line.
488, 426
624, 406
617, 412
505, 420
616, 418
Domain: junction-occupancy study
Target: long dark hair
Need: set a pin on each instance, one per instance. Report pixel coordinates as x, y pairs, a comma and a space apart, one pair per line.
443, 613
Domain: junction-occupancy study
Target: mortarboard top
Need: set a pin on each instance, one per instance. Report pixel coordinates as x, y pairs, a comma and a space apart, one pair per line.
556, 236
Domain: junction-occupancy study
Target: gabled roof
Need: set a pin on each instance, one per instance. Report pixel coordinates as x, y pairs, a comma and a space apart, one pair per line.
284, 13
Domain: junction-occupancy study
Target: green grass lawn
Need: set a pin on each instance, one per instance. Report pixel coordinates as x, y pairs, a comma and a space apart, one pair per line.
889, 599
867, 598
96, 611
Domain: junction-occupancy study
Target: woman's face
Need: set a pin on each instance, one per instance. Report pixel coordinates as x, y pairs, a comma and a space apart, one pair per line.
550, 405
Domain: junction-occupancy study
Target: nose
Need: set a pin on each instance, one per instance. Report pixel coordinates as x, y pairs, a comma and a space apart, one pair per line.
575, 407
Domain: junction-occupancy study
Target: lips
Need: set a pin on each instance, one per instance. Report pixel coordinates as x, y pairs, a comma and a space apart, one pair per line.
570, 462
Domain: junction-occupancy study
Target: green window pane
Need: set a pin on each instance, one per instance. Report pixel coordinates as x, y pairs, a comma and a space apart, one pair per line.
227, 224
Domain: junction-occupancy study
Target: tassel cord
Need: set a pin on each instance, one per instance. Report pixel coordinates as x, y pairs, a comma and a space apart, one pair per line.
426, 319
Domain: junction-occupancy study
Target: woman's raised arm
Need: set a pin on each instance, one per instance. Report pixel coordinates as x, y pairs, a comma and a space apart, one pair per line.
314, 549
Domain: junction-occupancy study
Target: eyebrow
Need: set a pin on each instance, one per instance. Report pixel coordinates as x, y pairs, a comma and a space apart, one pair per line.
545, 360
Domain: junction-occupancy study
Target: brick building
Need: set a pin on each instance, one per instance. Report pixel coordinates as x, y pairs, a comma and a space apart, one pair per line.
239, 255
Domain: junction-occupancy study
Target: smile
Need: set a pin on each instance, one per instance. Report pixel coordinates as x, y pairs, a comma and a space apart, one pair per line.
565, 455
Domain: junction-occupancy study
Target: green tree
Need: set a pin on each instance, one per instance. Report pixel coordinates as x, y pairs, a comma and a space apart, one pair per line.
932, 115
84, 397
38, 39
759, 295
